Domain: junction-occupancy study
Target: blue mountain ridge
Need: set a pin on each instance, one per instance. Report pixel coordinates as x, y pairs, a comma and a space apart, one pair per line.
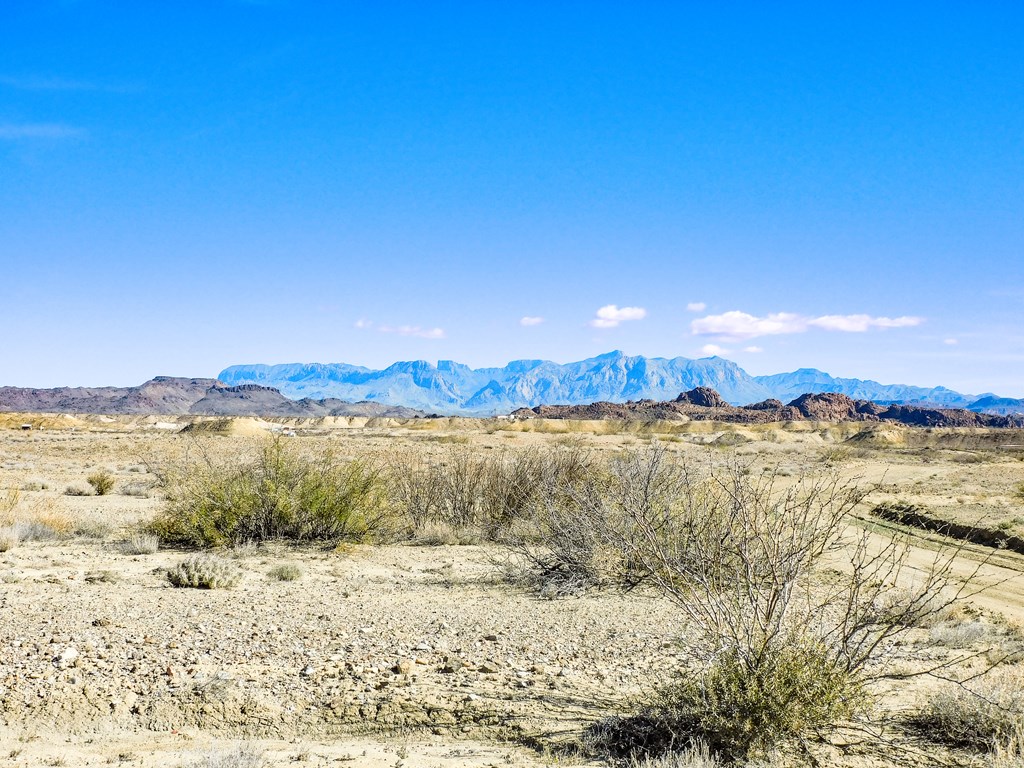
452, 388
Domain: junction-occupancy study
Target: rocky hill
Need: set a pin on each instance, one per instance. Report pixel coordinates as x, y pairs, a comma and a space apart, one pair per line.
454, 388
179, 396
704, 404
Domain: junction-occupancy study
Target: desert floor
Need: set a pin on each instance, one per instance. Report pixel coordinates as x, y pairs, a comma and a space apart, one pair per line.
390, 655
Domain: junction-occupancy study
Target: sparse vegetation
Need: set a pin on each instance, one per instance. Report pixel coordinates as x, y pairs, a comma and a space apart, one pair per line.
204, 572
8, 538
780, 651
988, 715
285, 572
279, 494
139, 544
245, 755
102, 482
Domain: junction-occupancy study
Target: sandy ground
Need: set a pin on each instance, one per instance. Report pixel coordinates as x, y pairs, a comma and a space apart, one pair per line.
378, 655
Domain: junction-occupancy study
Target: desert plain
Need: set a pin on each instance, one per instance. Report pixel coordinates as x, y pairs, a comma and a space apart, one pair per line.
421, 651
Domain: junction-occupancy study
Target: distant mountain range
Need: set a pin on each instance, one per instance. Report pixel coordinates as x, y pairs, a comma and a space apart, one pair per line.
175, 395
457, 389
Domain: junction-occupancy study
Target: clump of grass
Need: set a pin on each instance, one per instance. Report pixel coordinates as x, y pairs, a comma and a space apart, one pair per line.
76, 490
8, 538
697, 755
245, 755
204, 572
285, 572
988, 716
102, 482
139, 544
138, 490
958, 634
278, 494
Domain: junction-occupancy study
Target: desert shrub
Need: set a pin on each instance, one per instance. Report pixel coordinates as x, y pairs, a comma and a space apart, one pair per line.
8, 501
139, 490
102, 482
466, 490
93, 529
76, 490
743, 706
786, 639
988, 715
8, 538
285, 572
139, 544
958, 634
204, 572
278, 494
245, 755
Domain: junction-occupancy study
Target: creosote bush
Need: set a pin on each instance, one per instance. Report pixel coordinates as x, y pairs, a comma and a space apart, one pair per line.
280, 493
487, 494
102, 482
204, 572
790, 610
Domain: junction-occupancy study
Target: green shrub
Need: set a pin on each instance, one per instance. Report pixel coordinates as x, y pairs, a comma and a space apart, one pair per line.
102, 482
285, 572
278, 494
204, 572
743, 706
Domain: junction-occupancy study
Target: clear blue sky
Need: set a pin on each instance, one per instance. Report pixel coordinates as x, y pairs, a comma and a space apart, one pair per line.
189, 185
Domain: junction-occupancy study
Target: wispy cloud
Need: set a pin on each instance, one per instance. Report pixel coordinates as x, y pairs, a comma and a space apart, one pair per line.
50, 83
951, 342
738, 325
413, 330
38, 131
610, 316
401, 330
753, 350
530, 320
713, 349
696, 306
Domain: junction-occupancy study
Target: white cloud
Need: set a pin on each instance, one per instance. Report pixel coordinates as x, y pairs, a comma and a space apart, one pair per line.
528, 320
951, 342
413, 330
696, 306
363, 324
754, 350
713, 349
738, 325
861, 323
610, 316
37, 131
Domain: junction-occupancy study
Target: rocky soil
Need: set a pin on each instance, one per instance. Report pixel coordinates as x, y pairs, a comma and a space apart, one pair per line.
377, 655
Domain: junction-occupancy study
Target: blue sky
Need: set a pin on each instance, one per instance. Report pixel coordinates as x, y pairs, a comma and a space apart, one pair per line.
185, 186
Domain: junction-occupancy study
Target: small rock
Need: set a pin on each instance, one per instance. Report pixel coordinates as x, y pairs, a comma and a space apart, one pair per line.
404, 667
67, 658
488, 668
